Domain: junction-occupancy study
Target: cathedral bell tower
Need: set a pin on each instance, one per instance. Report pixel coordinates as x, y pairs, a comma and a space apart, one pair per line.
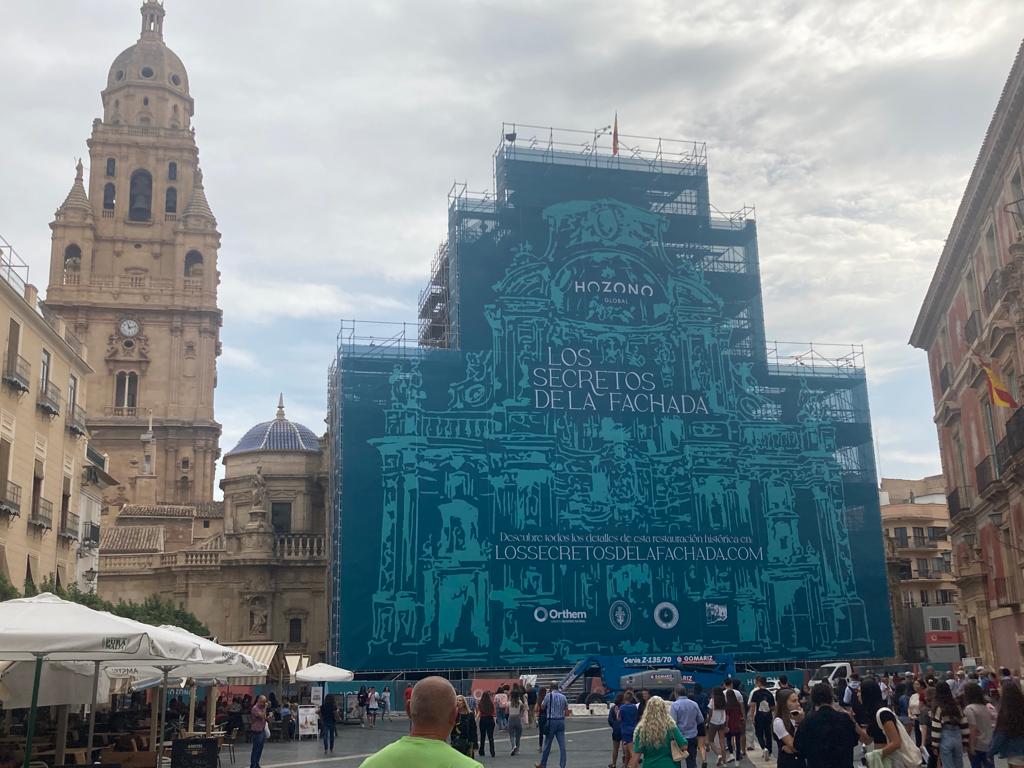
133, 271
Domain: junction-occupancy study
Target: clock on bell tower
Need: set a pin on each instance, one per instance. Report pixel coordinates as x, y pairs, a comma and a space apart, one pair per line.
133, 271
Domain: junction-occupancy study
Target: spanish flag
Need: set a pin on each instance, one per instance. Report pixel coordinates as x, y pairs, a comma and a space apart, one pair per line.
998, 391
615, 136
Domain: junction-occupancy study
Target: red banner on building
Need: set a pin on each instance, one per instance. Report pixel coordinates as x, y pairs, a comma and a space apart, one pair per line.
942, 638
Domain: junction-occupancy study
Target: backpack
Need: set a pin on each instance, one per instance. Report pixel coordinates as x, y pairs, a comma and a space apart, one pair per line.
908, 754
613, 721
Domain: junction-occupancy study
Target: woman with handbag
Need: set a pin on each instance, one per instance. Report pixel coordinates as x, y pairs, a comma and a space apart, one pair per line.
657, 738
463, 736
950, 731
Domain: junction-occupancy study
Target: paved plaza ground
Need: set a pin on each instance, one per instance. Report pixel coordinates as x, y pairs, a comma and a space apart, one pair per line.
589, 746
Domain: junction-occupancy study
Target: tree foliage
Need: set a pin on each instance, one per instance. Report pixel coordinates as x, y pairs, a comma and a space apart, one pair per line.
153, 610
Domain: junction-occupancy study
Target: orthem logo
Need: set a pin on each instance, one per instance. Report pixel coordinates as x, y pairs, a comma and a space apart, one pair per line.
559, 615
620, 615
666, 615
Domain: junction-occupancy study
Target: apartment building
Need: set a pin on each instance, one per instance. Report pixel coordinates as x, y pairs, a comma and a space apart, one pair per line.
43, 439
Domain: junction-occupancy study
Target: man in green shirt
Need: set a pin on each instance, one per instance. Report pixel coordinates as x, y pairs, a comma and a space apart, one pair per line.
432, 713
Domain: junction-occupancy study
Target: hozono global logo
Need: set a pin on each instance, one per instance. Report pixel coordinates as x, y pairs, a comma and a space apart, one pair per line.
559, 615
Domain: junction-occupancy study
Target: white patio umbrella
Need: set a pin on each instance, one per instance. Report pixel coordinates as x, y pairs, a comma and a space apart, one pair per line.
61, 682
47, 628
323, 673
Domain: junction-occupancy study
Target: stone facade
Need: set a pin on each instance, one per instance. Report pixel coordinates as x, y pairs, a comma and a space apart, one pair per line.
922, 586
972, 319
133, 271
253, 568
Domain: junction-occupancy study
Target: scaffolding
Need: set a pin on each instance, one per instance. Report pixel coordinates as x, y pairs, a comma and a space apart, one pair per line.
13, 268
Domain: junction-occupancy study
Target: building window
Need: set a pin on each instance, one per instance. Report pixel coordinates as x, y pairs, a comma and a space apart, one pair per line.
172, 171
946, 598
939, 623
991, 250
206, 523
140, 196
193, 264
72, 393
109, 196
44, 369
171, 200
294, 630
901, 537
922, 567
72, 258
126, 390
111, 166
281, 516
936, 533
925, 599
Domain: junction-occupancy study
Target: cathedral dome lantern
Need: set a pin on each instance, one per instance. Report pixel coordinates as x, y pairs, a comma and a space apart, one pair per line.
277, 436
147, 84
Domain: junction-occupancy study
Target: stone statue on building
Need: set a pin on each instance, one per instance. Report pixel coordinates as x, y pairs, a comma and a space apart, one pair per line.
259, 489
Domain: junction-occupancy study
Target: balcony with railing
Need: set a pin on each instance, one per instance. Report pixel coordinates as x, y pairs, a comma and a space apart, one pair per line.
41, 515
10, 504
76, 421
945, 378
986, 474
17, 372
299, 547
959, 500
972, 328
121, 411
48, 399
1012, 445
69, 527
90, 535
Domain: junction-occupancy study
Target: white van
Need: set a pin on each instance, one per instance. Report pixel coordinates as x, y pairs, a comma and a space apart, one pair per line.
831, 672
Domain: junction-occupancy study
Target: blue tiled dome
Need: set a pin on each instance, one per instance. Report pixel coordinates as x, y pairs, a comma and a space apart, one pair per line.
278, 435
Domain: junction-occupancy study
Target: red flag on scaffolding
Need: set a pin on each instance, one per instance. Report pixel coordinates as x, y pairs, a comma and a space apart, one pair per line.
615, 135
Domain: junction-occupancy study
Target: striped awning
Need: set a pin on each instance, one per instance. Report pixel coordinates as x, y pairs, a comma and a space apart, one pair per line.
265, 653
295, 662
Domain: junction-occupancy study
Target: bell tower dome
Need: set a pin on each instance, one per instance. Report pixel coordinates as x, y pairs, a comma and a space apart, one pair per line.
133, 270
147, 84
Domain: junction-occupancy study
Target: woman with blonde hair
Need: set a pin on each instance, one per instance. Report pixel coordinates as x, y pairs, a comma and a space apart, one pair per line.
463, 736
654, 736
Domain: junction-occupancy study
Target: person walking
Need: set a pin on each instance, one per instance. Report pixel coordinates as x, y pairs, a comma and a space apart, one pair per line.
629, 716
432, 711
735, 725
531, 705
686, 714
654, 736
714, 737
827, 736
328, 722
501, 706
950, 731
616, 726
259, 730
1008, 734
464, 735
385, 704
788, 715
372, 706
516, 709
914, 706
361, 699
542, 719
762, 702
556, 706
880, 723
485, 712
980, 723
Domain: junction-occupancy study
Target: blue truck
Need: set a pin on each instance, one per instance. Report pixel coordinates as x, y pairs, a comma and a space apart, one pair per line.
605, 676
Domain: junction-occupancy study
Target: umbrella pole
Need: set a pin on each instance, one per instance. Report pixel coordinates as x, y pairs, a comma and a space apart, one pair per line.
211, 709
163, 721
192, 707
32, 712
92, 707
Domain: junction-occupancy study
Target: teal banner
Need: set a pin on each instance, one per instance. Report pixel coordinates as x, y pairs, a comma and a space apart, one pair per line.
610, 464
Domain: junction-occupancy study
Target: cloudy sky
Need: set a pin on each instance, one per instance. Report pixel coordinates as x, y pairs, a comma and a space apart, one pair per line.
330, 133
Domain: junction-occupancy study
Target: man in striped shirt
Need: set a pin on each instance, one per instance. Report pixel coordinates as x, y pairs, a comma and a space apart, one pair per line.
557, 708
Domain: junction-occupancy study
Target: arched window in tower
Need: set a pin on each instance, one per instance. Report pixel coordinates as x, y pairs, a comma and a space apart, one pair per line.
172, 170
140, 198
72, 264
175, 119
193, 264
109, 196
171, 200
126, 393
111, 166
